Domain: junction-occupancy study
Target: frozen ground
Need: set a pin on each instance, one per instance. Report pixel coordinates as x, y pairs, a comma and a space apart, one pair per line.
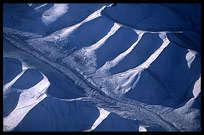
96, 67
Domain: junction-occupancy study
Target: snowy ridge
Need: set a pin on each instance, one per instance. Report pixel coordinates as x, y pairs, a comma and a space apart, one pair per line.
123, 81
7, 86
112, 63
153, 57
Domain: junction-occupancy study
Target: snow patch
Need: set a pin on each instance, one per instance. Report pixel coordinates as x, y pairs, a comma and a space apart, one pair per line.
142, 129
39, 7
102, 116
52, 14
197, 87
30, 4
190, 56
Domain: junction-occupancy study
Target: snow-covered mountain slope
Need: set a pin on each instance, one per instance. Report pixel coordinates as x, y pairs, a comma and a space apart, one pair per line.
95, 67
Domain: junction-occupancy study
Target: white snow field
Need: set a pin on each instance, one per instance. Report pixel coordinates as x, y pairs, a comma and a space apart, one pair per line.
96, 67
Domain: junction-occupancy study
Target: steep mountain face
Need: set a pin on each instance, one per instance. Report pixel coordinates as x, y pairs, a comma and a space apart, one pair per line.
96, 67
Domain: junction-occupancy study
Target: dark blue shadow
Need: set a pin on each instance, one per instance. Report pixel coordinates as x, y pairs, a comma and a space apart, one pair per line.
55, 115
89, 33
115, 45
29, 79
142, 51
76, 13
11, 68
116, 123
171, 79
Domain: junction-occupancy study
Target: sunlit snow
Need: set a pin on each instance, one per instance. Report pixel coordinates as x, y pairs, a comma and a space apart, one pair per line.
101, 67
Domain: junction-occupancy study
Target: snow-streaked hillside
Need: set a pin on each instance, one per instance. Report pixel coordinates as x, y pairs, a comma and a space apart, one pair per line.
96, 67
